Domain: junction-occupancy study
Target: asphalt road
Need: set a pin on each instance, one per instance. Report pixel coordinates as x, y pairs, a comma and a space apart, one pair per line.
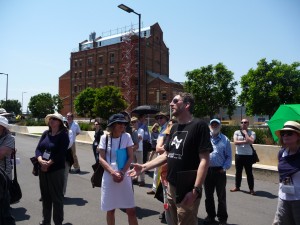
82, 201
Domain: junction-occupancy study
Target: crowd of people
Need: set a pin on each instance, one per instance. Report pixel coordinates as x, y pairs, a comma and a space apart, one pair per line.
179, 147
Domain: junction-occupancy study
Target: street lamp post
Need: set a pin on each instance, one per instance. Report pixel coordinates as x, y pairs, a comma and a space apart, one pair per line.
22, 100
129, 10
6, 86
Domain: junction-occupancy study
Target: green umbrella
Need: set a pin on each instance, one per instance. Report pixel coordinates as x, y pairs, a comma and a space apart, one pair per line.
284, 113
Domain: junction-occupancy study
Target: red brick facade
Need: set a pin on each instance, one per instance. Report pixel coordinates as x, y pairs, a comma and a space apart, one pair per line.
101, 66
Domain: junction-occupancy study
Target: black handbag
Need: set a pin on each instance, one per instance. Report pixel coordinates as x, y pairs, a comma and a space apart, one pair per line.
14, 187
255, 158
96, 178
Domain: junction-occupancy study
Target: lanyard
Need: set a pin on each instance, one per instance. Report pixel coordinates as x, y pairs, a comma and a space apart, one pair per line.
111, 146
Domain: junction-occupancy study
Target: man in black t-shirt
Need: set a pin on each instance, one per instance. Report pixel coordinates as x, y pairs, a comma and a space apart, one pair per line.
187, 149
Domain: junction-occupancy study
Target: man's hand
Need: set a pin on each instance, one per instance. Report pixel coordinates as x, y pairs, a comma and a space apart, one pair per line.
136, 170
189, 198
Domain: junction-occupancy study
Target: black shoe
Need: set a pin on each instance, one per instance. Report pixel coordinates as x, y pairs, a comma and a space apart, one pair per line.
43, 223
142, 184
209, 220
76, 171
135, 181
162, 216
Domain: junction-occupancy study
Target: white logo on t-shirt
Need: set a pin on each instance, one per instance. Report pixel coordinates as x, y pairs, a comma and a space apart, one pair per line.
176, 142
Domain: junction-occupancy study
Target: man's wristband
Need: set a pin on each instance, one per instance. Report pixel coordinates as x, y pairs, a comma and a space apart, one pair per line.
198, 190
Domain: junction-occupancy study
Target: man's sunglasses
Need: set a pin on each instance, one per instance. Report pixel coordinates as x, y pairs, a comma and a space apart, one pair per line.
244, 122
286, 132
175, 100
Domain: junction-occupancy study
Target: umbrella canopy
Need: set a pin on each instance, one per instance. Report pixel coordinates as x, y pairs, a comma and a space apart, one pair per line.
145, 109
284, 113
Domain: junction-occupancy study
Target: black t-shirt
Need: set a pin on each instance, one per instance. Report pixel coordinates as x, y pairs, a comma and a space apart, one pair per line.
185, 143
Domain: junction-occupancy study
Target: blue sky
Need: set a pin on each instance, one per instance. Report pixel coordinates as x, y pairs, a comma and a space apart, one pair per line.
37, 37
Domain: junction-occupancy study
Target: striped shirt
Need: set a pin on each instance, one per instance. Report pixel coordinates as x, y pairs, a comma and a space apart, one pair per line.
7, 141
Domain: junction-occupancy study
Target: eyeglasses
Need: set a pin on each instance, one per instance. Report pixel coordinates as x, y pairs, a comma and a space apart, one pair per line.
97, 124
286, 132
244, 122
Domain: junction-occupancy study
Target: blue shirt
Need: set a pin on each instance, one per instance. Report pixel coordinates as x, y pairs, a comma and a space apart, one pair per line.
221, 155
147, 136
162, 130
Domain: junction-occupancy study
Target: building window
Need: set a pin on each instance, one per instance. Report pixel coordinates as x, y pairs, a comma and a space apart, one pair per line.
75, 63
164, 96
75, 75
112, 70
99, 85
112, 58
90, 61
90, 74
100, 72
75, 89
111, 83
80, 62
80, 75
100, 59
145, 33
99, 44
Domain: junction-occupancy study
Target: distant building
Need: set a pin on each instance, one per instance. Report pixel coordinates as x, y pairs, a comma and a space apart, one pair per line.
113, 60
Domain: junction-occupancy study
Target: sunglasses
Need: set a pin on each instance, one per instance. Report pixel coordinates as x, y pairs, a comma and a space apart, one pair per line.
176, 100
97, 124
288, 133
244, 122
53, 118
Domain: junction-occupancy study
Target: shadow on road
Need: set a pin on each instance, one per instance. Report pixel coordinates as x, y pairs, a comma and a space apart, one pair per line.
201, 222
262, 194
20, 214
75, 201
266, 194
142, 213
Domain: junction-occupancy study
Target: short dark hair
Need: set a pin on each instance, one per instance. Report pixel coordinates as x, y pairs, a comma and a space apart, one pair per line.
188, 98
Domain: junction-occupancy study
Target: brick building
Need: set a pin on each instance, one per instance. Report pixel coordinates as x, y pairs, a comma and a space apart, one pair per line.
113, 60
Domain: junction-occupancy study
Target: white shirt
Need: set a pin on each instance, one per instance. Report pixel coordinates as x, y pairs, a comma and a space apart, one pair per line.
75, 130
141, 133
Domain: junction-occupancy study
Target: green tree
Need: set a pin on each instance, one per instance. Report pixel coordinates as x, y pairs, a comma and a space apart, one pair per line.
11, 106
108, 101
213, 88
84, 103
268, 86
41, 105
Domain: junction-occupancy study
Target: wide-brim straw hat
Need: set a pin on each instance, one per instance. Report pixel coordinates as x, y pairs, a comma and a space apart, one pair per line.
166, 115
55, 115
116, 118
4, 122
289, 125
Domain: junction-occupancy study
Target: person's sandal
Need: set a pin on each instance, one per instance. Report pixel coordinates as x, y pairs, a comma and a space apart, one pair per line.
234, 189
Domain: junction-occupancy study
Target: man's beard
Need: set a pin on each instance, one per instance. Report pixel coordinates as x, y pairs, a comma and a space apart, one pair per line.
215, 131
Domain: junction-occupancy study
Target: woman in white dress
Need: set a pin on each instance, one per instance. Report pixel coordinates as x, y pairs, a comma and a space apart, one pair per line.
116, 190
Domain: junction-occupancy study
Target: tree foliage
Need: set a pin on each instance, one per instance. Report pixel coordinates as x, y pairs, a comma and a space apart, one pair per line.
42, 104
108, 100
213, 88
84, 103
11, 106
268, 86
